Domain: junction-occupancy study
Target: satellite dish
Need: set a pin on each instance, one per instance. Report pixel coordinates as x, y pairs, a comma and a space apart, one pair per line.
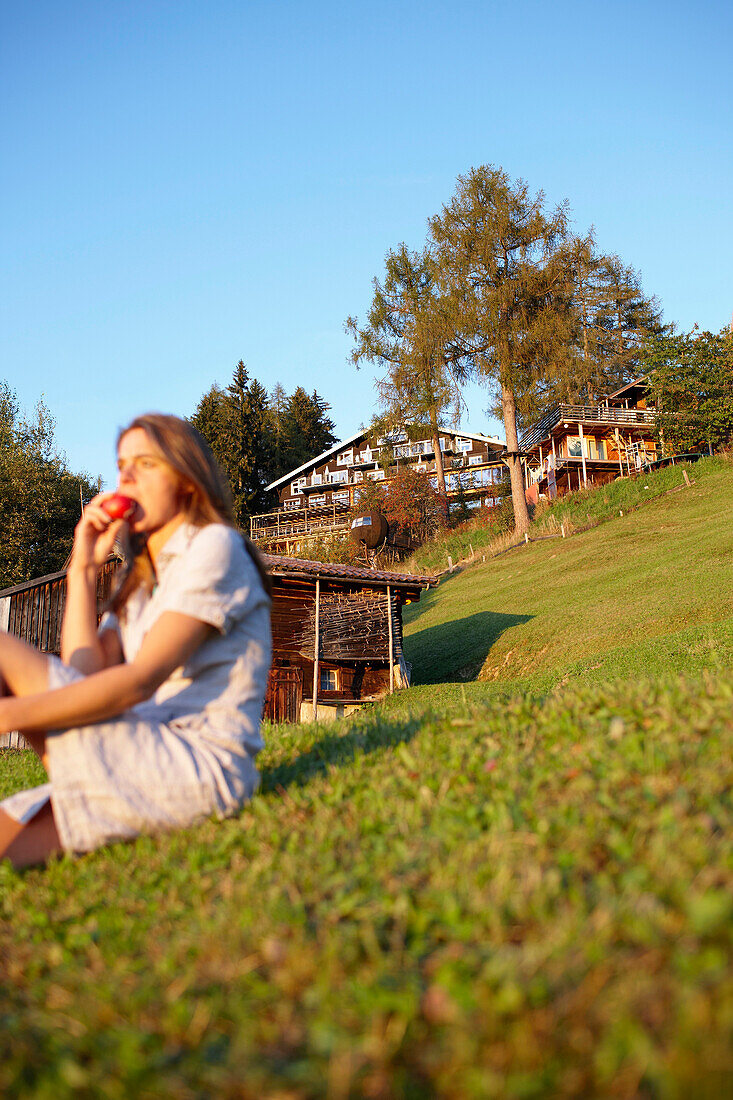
369, 529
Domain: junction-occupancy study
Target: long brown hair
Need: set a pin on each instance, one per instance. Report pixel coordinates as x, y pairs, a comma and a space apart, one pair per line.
205, 491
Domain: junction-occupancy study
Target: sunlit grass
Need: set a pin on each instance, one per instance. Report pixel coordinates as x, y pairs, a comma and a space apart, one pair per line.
578, 510
560, 603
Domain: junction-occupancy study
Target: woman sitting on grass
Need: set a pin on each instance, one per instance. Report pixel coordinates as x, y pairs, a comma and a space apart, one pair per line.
152, 721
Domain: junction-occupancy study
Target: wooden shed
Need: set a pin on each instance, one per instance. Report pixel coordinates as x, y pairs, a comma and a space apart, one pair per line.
337, 636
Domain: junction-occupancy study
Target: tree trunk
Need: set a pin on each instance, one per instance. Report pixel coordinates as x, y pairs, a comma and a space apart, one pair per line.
440, 475
519, 501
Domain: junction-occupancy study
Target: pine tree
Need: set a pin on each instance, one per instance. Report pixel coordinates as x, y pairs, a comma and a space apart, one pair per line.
278, 405
237, 425
308, 430
210, 419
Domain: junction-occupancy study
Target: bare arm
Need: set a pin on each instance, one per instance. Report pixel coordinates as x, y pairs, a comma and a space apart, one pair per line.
105, 694
94, 538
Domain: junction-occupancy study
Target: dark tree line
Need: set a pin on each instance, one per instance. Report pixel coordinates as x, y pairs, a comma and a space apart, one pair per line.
258, 436
40, 498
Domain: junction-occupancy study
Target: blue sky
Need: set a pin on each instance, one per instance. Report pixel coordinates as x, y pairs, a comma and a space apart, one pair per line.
186, 184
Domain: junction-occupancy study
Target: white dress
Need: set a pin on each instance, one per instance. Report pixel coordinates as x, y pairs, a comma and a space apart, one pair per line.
188, 752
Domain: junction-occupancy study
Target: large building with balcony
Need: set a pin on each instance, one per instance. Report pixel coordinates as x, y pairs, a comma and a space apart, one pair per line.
574, 446
316, 498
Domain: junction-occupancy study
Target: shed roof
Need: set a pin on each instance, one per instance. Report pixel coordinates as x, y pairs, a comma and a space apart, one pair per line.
279, 566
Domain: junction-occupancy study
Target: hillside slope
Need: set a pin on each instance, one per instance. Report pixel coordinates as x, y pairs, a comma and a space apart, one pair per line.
649, 591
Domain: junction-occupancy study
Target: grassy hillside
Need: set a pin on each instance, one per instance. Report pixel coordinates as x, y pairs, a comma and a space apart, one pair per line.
512, 886
647, 592
578, 510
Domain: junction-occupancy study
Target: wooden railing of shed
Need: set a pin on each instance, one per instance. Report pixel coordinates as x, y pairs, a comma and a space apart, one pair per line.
34, 610
589, 414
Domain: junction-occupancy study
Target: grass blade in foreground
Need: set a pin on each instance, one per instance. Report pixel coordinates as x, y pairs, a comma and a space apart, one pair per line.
524, 899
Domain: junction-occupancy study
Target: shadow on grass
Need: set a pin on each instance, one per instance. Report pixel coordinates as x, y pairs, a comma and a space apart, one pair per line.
456, 651
334, 749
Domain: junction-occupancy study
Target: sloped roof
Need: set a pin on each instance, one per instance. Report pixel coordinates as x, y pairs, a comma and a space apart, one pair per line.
481, 438
325, 455
628, 386
283, 567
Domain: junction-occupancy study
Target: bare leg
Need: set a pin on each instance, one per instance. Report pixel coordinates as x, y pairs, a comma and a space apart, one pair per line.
23, 669
37, 742
25, 845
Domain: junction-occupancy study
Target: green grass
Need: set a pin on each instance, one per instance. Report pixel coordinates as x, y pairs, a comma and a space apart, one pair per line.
582, 509
516, 886
610, 595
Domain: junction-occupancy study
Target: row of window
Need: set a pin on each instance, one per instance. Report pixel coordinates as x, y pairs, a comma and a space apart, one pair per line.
594, 448
404, 450
466, 480
346, 458
341, 477
409, 450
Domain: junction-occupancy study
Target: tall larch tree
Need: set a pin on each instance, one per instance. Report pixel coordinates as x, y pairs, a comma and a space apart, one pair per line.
615, 318
507, 289
405, 335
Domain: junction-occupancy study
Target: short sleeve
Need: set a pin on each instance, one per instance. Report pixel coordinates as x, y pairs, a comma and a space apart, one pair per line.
213, 580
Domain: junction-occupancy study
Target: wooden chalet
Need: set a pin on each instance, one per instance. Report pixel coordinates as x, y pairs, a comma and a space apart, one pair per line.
316, 498
574, 446
337, 632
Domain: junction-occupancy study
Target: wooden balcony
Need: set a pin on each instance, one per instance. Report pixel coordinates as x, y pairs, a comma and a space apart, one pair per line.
290, 525
592, 415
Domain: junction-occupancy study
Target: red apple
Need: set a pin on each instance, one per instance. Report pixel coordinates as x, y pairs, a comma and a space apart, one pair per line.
118, 506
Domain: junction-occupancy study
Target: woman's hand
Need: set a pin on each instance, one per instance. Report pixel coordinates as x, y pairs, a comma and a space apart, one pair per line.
94, 535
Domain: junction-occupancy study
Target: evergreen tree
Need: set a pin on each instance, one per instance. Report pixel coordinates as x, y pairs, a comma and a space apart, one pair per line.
278, 406
236, 423
211, 419
308, 429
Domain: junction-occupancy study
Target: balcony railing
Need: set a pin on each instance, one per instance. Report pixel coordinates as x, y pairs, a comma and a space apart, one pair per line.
272, 526
588, 414
345, 477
